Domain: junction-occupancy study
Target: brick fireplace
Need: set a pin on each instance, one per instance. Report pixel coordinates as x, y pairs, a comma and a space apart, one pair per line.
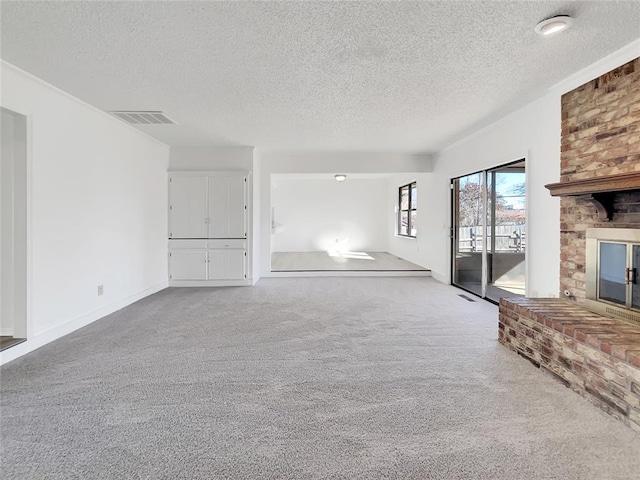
600, 138
597, 356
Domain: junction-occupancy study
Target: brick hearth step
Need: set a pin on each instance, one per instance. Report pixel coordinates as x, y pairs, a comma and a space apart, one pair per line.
596, 356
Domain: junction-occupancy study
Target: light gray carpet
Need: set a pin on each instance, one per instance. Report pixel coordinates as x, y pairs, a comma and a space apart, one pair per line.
354, 378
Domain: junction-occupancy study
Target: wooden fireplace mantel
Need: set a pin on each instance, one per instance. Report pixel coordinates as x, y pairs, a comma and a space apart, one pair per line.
601, 190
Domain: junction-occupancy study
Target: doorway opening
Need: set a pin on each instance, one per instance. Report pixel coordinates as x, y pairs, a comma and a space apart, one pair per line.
489, 232
13, 229
322, 225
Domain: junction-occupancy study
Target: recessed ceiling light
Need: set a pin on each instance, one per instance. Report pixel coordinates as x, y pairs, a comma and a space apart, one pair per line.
553, 25
340, 177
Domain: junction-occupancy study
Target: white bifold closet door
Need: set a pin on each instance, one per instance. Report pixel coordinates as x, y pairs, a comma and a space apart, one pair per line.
188, 202
227, 210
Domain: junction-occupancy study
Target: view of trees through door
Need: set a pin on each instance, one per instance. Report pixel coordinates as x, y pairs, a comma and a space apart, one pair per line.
489, 232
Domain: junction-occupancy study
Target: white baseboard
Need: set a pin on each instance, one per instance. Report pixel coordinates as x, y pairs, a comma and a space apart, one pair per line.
441, 278
50, 334
6, 332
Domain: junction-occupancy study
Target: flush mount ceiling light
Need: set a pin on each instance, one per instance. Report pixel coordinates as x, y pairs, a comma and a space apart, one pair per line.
340, 177
553, 25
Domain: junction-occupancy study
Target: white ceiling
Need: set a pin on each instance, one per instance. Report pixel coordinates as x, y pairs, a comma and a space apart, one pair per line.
407, 76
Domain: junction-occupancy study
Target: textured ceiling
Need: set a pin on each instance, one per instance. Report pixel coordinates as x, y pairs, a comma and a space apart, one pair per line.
311, 75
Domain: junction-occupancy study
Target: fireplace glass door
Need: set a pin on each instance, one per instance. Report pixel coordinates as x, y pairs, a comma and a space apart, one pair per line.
612, 284
618, 266
635, 286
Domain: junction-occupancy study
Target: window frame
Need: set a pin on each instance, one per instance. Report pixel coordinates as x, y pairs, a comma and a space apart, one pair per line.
409, 186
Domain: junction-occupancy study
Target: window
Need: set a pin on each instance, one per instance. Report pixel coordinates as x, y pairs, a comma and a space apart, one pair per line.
407, 210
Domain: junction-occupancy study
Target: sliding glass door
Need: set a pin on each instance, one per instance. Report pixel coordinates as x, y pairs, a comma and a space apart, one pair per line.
469, 208
489, 232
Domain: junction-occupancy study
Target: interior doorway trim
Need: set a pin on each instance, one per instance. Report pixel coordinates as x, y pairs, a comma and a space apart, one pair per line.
23, 319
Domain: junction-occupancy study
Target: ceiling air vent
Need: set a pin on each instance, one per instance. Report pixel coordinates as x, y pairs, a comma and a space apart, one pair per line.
143, 117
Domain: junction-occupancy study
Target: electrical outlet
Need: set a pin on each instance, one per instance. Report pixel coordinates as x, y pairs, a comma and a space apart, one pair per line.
100, 290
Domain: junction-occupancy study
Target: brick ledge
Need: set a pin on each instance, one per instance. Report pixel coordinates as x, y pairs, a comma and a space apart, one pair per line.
596, 356
609, 335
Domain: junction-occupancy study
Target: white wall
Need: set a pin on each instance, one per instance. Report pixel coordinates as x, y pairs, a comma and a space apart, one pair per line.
321, 214
279, 162
417, 250
532, 133
6, 224
13, 249
97, 210
211, 158
255, 215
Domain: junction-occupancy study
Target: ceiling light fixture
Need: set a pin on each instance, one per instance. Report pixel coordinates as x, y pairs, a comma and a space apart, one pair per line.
553, 25
340, 177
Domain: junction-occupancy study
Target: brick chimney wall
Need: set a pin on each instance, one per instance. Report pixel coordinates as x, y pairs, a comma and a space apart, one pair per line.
600, 136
